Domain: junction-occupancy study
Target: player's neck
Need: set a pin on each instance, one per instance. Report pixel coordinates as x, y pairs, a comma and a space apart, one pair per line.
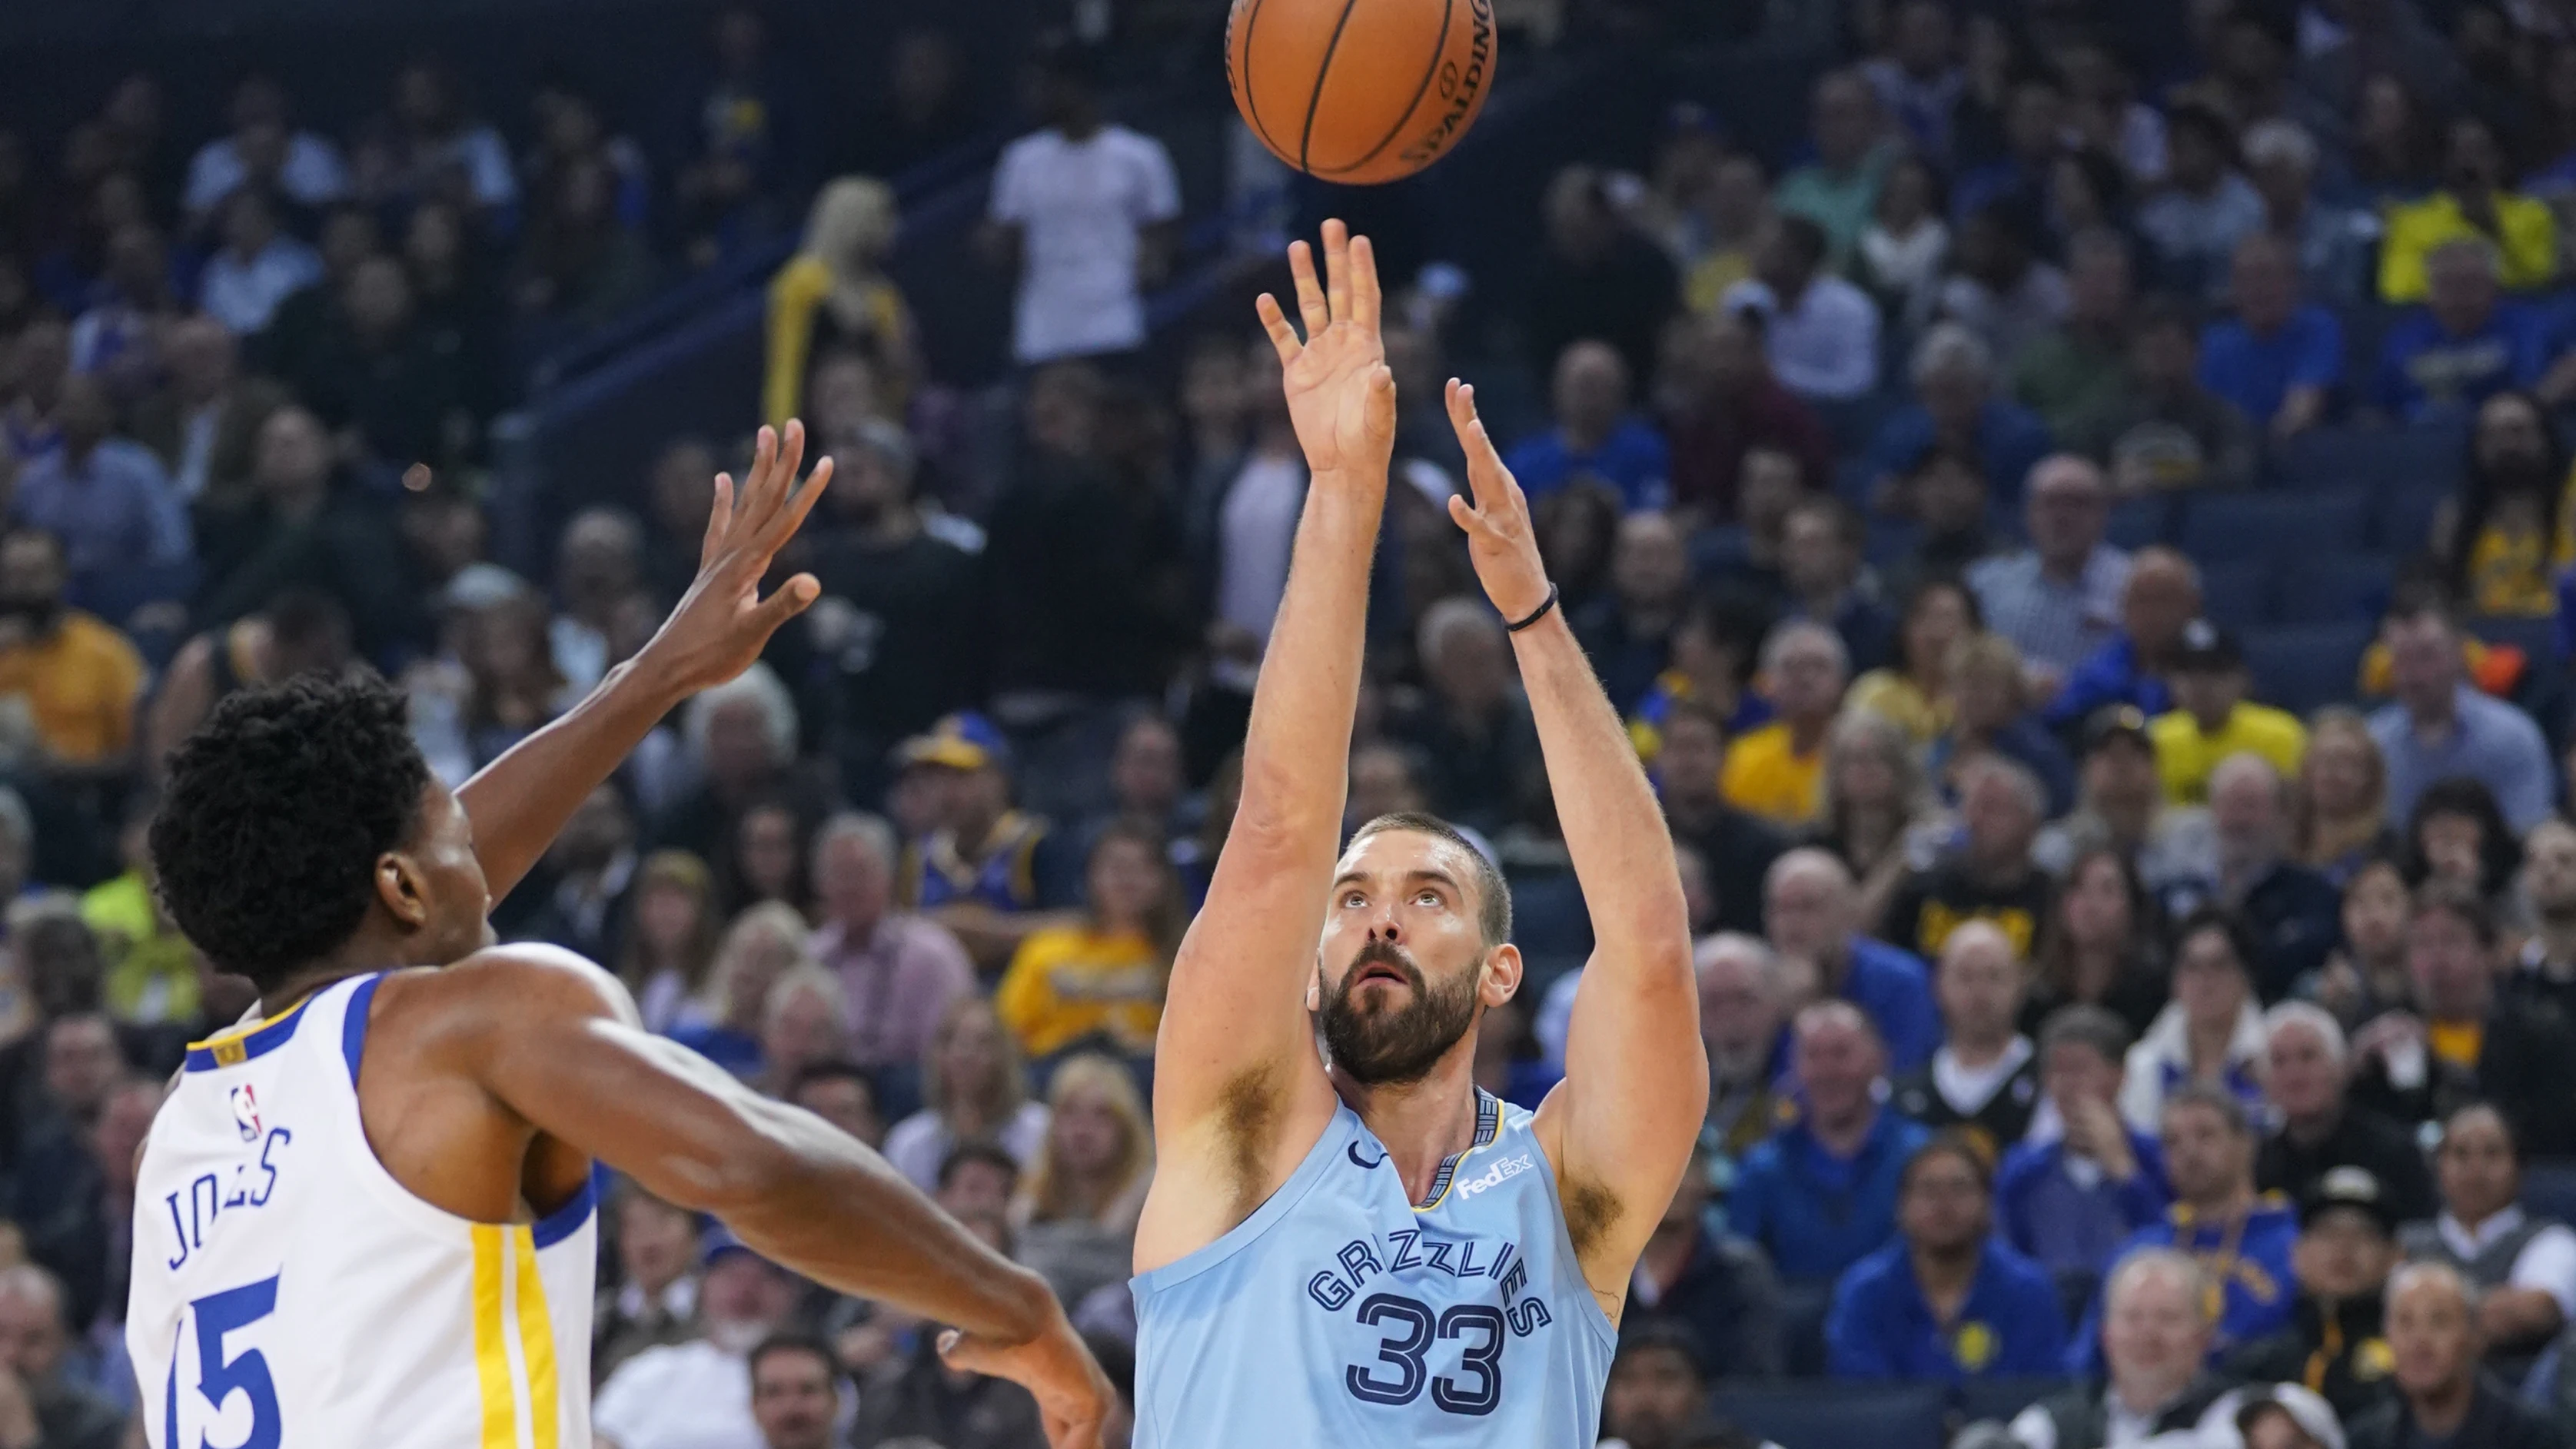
370, 949
1420, 1123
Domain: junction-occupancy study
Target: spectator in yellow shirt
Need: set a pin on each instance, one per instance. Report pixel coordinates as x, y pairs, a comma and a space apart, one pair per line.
1776, 771
834, 295
2471, 203
1101, 978
80, 679
2511, 538
2214, 720
1914, 695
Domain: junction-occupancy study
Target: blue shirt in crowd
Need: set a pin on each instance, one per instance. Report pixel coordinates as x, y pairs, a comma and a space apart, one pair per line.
1817, 1214
2251, 1260
2110, 676
1882, 1327
2010, 442
2425, 372
2491, 742
2066, 1213
1893, 989
2255, 373
114, 509
1633, 459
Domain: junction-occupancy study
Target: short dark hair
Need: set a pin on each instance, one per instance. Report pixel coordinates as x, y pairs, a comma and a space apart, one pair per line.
790, 1340
274, 815
2214, 1097
2504, 1124
1493, 893
833, 1069
1804, 237
1955, 1142
2229, 925
2088, 1026
1663, 1335
968, 1153
2456, 900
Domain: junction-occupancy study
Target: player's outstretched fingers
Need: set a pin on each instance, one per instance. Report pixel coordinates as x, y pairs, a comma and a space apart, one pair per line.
1365, 299
1337, 269
1311, 308
1283, 337
793, 597
719, 522
793, 508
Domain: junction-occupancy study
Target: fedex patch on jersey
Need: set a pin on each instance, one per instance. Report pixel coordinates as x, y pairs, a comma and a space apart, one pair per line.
246, 1112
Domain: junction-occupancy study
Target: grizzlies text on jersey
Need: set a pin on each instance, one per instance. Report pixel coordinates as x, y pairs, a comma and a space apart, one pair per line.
1341, 1314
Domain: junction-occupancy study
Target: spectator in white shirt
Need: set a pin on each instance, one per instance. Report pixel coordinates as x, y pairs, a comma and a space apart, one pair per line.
258, 268
263, 149
1822, 331
697, 1395
2523, 1267
1084, 213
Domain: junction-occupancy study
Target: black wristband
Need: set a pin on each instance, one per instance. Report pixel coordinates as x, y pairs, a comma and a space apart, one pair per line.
1535, 614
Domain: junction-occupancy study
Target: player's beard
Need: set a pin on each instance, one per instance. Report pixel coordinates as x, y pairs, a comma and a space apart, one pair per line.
1395, 1045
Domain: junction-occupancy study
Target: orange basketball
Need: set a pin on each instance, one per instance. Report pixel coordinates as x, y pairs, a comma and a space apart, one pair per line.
1360, 91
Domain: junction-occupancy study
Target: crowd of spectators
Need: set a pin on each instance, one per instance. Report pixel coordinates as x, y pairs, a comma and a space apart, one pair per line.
2074, 1013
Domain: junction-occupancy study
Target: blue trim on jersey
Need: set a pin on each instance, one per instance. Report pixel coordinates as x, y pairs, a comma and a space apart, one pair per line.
565, 1221
353, 1024
232, 1051
1489, 1121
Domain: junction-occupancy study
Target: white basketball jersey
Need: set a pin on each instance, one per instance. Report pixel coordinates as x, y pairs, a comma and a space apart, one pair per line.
289, 1294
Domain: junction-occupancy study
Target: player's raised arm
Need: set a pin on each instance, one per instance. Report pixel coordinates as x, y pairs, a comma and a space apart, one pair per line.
568, 1056
1636, 1076
519, 802
1235, 1068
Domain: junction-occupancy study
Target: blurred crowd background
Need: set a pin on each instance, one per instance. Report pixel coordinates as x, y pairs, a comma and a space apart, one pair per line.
2073, 499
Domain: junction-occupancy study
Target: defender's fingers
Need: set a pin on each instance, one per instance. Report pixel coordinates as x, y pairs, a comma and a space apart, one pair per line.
719, 521
1275, 322
1484, 464
1337, 269
794, 597
1310, 293
790, 516
783, 468
1365, 298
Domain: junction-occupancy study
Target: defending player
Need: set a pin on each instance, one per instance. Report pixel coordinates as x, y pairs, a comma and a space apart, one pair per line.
1367, 1250
368, 1218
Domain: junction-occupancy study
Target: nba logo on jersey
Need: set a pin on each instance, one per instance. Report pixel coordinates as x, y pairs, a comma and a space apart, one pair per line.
246, 1112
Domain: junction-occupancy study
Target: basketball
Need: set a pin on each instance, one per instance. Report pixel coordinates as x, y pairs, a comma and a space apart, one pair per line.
1360, 92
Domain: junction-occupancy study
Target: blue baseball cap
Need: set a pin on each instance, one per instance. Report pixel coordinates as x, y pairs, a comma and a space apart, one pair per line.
961, 741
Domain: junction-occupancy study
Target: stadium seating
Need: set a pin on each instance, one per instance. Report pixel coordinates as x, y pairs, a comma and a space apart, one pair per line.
2302, 666
2237, 593
1839, 1416
2268, 524
2332, 588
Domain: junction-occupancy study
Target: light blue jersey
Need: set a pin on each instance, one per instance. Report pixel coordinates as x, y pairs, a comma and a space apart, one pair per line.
1342, 1315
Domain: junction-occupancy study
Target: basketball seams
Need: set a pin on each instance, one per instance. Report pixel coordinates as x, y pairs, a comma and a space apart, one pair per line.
1243, 81
1439, 52
1323, 72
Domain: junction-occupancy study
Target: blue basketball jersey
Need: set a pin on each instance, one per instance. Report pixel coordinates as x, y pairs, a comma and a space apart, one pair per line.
1340, 1314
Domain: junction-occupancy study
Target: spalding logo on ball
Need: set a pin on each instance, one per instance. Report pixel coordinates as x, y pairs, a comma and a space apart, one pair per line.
1360, 91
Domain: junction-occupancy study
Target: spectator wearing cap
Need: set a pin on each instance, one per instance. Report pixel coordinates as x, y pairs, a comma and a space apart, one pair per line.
2472, 203
895, 624
1594, 435
2456, 1041
2292, 915
1821, 331
2168, 433
2278, 359
2241, 1238
1716, 1285
1990, 878
2160, 597
1732, 404
1820, 1194
2213, 719
2058, 601
2318, 1131
1737, 848
1984, 1077
2334, 1345
989, 873
2077, 370
2121, 807
697, 1394
1946, 1299
2071, 1194
1810, 909
2207, 206
2157, 1325
1776, 771
2463, 345
2444, 1396
2439, 726
1956, 405
2523, 1266
1839, 189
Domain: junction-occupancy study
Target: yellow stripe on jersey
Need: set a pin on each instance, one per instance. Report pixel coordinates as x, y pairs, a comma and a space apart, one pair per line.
232, 1037
492, 1342
536, 1340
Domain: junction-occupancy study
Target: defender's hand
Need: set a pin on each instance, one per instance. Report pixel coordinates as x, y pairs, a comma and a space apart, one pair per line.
1499, 537
1340, 395
1075, 1399
721, 624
